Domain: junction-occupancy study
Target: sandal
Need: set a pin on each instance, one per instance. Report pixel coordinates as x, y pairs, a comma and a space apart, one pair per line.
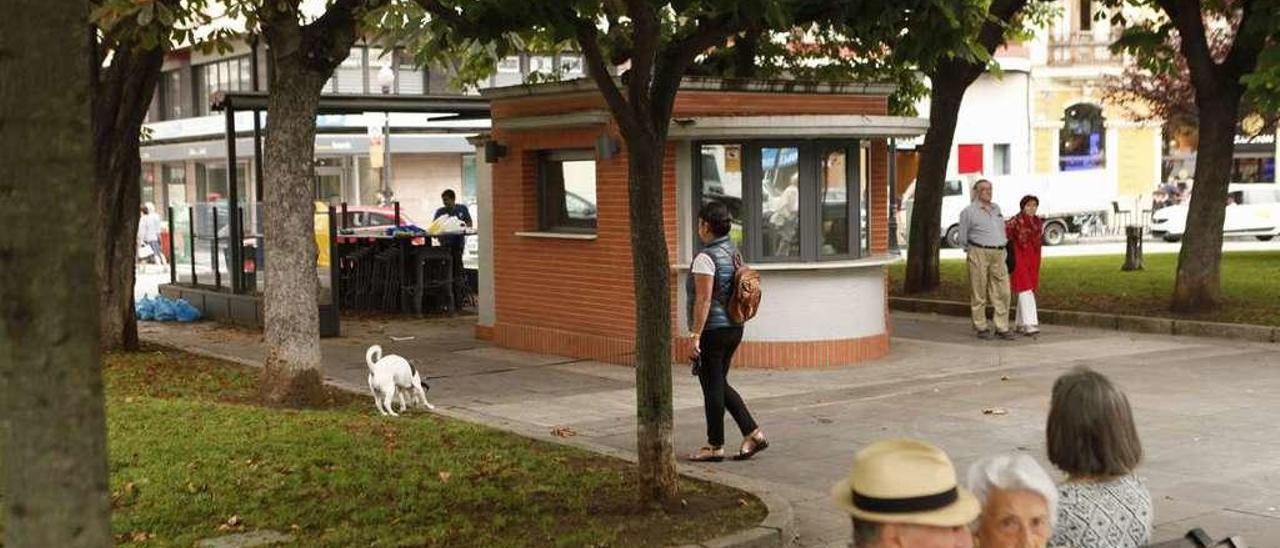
753, 444
707, 454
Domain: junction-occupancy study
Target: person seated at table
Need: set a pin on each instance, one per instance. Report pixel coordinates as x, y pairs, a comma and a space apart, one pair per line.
455, 243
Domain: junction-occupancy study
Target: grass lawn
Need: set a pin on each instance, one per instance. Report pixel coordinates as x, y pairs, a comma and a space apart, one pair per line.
1250, 286
192, 457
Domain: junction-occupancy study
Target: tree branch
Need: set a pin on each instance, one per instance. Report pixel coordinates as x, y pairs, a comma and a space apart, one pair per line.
1193, 43
674, 61
1249, 43
588, 40
991, 35
645, 39
458, 22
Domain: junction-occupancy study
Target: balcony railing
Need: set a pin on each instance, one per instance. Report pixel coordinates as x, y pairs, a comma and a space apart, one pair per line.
1084, 48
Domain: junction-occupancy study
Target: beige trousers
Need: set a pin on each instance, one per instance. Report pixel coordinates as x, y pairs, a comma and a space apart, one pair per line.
988, 284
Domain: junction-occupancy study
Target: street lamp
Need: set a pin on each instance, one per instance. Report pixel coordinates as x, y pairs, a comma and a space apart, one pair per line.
386, 79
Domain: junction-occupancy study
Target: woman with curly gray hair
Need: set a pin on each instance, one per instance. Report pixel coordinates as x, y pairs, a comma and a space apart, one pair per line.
1019, 502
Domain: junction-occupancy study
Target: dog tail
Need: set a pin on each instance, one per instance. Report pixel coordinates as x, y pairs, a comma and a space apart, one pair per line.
372, 355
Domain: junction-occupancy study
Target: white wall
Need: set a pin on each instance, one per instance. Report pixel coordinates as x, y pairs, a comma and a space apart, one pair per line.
418, 180
995, 111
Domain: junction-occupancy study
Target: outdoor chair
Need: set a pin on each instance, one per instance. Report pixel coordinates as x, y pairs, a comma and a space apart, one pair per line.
1197, 538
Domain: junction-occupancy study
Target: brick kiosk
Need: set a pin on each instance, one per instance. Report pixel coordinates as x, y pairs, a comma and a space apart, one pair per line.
803, 167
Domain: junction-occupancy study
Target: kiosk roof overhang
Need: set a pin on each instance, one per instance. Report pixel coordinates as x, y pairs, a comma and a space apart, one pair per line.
460, 107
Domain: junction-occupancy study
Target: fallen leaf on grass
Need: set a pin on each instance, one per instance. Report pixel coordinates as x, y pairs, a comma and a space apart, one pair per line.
744, 502
563, 432
995, 411
140, 536
444, 477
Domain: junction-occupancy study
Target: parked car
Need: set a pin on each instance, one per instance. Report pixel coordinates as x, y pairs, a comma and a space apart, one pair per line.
362, 220
1253, 209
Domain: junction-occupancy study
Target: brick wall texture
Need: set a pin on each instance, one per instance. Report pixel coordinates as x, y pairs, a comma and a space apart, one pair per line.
575, 297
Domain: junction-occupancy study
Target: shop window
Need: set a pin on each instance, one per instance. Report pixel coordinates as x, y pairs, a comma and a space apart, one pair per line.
567, 191
1083, 138
174, 177
721, 174
1253, 170
802, 200
226, 75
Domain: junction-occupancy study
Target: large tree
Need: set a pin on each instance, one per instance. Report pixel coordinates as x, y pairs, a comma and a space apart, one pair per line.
131, 39
1220, 82
54, 424
660, 41
984, 26
304, 56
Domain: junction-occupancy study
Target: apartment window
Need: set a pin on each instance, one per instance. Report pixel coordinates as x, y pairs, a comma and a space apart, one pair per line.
508, 72
349, 76
567, 191
570, 65
790, 201
1086, 15
1082, 140
225, 75
172, 105
1000, 159
410, 80
544, 65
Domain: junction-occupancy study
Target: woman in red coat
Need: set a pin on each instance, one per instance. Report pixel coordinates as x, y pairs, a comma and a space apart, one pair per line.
1024, 231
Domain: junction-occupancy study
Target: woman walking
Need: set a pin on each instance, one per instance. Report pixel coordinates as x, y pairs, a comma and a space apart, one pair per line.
1024, 231
715, 337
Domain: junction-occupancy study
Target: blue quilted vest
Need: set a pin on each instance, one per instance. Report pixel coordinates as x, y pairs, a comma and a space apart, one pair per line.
721, 251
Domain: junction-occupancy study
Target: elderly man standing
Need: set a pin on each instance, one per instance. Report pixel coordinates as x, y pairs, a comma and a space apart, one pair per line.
982, 235
903, 494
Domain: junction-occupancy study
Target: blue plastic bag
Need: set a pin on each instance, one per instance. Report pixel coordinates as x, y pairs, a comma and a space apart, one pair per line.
164, 311
145, 309
185, 312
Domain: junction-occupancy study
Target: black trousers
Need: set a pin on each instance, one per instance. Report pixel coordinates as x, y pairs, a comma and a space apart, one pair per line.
718, 346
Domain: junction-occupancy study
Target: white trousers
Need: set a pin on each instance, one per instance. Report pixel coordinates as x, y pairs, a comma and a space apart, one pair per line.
1025, 316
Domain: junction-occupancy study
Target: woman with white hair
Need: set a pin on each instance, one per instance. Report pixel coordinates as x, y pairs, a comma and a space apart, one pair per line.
1019, 502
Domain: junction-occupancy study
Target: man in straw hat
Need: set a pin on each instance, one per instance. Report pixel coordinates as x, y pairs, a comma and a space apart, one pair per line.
903, 494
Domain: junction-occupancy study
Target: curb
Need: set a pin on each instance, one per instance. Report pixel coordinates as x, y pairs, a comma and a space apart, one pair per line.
1115, 322
776, 531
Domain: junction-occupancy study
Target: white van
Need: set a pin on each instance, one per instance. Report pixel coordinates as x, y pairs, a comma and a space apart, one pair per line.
1253, 209
1067, 200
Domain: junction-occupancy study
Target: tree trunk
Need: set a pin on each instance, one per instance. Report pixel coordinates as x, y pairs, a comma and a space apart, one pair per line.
653, 323
291, 374
120, 104
926, 212
54, 444
1198, 288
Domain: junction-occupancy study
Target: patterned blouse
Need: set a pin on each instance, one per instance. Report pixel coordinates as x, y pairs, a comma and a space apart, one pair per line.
1115, 514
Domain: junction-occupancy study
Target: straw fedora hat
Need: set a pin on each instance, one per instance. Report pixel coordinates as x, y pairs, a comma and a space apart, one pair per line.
905, 481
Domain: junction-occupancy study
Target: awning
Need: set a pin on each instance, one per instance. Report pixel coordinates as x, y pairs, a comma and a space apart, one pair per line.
460, 106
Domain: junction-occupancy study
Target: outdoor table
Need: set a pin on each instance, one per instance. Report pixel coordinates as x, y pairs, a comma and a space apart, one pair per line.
411, 277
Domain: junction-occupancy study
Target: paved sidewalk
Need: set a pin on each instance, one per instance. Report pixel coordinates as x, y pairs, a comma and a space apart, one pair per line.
1205, 407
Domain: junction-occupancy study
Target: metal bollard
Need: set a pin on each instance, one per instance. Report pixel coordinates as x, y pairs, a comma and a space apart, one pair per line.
1133, 248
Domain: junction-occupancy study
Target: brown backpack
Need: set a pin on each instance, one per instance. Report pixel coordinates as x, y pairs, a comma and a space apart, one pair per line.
744, 301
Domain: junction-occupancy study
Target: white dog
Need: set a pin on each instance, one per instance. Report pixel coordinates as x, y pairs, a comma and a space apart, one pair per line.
391, 376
